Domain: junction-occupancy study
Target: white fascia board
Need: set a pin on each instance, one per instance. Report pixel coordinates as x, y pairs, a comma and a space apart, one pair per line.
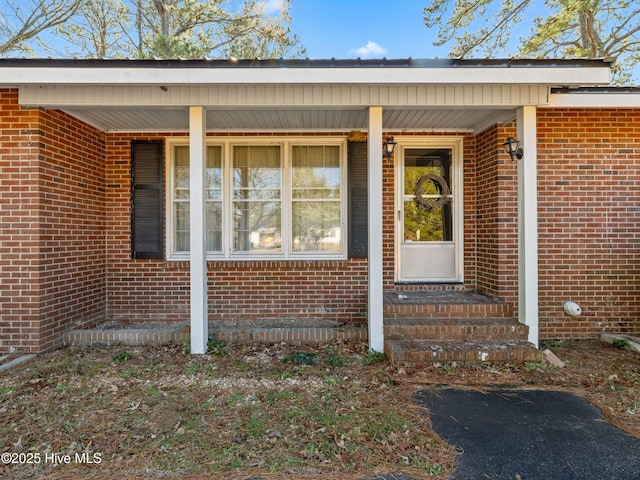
594, 100
529, 75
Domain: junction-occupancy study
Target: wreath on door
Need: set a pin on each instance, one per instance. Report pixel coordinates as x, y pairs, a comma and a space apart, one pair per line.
440, 183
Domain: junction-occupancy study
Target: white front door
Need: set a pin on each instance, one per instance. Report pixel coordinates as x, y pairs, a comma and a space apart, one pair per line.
429, 210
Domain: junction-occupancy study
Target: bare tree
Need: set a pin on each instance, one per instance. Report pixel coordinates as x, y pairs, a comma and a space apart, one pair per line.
23, 20
180, 29
96, 31
559, 28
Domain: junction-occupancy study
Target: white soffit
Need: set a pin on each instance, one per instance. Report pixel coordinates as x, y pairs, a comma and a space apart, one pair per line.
245, 119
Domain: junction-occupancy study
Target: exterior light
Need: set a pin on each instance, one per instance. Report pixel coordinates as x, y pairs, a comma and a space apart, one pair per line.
512, 147
389, 146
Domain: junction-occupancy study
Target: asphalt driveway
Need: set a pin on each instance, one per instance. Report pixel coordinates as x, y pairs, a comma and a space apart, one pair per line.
530, 434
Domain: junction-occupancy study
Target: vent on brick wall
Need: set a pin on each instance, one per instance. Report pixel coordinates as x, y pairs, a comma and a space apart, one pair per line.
147, 217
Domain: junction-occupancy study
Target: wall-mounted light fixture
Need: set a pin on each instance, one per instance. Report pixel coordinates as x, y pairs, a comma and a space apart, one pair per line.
389, 146
513, 148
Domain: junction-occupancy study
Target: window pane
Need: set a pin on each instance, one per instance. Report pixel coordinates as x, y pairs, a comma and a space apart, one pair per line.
214, 173
214, 226
316, 171
181, 225
257, 179
257, 227
317, 227
213, 195
256, 172
181, 173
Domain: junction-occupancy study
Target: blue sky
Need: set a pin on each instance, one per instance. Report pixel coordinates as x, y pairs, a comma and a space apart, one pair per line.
363, 28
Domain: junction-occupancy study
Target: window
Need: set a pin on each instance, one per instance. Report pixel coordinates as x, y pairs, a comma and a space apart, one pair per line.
257, 202
316, 199
180, 198
284, 199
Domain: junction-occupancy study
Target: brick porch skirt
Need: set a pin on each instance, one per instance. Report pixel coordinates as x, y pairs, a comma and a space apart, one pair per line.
294, 331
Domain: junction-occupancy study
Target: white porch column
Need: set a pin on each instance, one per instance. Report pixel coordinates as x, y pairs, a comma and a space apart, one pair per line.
198, 249
375, 302
528, 222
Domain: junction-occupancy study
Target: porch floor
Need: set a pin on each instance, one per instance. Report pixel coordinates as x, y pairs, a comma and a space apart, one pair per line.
441, 297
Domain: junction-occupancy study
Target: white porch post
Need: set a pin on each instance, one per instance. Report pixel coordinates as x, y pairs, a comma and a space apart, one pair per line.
198, 250
375, 302
528, 222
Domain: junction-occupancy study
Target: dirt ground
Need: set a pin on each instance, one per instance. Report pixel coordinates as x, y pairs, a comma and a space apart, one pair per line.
260, 411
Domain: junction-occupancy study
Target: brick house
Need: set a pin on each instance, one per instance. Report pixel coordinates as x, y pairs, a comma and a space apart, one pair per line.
218, 190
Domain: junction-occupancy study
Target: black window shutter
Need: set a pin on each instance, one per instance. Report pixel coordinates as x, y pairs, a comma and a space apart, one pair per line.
358, 200
147, 213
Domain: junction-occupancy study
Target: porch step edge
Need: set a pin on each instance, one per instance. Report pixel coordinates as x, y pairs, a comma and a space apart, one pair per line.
422, 352
448, 310
456, 329
172, 335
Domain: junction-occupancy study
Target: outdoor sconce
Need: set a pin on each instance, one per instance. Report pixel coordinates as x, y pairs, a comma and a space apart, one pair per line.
389, 146
513, 148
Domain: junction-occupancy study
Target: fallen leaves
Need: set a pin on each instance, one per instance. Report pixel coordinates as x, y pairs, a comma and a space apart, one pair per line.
266, 410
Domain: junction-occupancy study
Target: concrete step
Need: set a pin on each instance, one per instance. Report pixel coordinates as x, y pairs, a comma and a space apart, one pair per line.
10, 360
421, 352
456, 329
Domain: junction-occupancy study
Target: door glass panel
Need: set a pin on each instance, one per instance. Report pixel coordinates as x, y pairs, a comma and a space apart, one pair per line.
428, 195
421, 225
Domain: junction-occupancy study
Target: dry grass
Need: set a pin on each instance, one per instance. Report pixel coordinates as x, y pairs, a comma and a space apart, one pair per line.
263, 411
244, 411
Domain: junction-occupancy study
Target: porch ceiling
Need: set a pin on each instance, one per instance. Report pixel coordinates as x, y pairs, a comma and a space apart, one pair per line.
287, 119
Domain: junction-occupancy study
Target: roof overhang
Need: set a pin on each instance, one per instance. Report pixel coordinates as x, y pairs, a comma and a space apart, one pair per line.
304, 72
595, 97
154, 95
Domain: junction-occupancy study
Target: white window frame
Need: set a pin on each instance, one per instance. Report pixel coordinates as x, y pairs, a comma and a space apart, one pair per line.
286, 146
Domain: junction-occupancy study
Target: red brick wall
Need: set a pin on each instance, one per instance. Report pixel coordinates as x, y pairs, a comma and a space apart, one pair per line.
52, 264
19, 214
72, 226
65, 254
159, 290
470, 213
589, 220
497, 217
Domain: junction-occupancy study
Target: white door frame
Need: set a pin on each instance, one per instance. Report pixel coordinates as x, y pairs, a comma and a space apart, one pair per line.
456, 144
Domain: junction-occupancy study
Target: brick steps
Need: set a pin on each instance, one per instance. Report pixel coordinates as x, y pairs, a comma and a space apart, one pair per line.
456, 329
445, 326
420, 352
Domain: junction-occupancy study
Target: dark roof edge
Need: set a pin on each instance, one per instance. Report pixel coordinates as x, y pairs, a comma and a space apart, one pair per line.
602, 89
303, 63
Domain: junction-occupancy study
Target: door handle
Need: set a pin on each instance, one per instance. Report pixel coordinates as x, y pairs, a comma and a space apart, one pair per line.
399, 215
